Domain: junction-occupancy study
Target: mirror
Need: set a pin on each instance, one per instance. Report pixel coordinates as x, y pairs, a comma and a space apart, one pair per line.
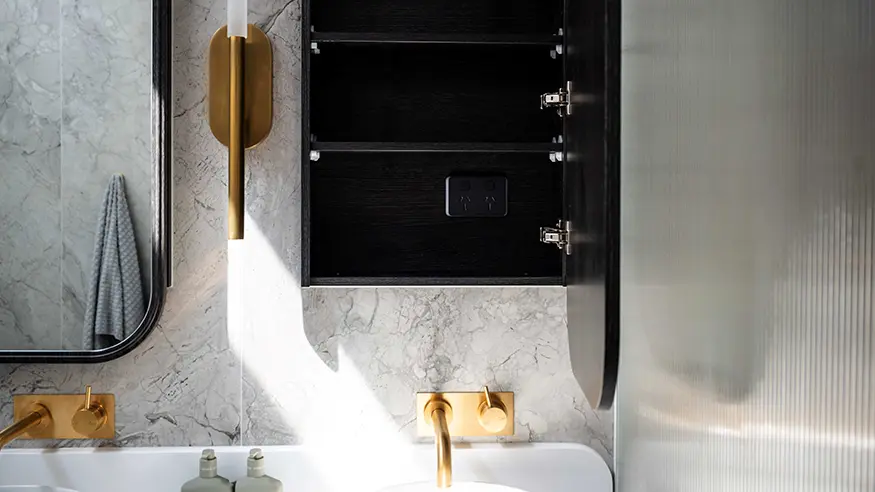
85, 148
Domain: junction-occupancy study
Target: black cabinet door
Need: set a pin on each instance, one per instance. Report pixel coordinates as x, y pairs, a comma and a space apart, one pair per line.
592, 177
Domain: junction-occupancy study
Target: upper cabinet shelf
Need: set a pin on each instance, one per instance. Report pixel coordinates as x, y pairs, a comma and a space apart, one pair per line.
444, 147
432, 93
437, 38
479, 17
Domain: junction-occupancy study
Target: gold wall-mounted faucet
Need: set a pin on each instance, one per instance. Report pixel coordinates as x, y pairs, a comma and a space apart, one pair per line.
37, 416
87, 416
440, 413
443, 415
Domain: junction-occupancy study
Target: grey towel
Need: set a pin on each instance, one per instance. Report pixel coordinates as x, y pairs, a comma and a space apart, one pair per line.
115, 297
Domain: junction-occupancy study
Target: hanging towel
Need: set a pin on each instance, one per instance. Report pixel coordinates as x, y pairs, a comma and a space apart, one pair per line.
115, 296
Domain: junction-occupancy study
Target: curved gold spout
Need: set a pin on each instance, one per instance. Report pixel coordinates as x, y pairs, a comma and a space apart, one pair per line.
440, 413
444, 450
39, 416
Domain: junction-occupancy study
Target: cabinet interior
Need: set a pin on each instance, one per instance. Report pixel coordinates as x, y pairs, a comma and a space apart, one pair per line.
432, 93
402, 95
383, 214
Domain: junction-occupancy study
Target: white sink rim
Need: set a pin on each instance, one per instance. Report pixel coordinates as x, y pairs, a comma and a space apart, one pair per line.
33, 488
456, 487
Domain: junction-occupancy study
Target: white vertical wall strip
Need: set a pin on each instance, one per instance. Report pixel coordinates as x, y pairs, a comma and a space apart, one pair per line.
747, 355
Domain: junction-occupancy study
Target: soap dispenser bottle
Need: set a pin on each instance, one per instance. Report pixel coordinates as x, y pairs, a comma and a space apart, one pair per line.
256, 480
209, 479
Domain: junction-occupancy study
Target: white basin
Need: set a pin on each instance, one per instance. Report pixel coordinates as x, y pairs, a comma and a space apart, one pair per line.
367, 467
457, 487
32, 488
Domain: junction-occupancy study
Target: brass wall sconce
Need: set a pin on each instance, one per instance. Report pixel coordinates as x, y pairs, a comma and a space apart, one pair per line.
240, 105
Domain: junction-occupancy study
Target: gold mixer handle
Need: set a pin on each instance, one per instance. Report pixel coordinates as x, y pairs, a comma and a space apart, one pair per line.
492, 413
91, 417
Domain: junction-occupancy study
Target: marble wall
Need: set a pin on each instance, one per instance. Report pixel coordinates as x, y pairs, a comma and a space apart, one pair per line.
74, 109
242, 355
30, 213
106, 130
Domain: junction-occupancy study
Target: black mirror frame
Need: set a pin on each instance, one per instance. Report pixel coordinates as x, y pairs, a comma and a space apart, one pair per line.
161, 237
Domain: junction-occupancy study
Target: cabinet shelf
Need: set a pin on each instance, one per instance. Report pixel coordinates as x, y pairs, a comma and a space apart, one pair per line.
437, 38
377, 217
431, 281
469, 147
436, 16
432, 93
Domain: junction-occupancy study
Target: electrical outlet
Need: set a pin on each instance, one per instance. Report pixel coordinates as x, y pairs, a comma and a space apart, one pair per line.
476, 196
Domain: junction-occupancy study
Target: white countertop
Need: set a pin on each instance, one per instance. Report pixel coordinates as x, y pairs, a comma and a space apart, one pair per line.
531, 467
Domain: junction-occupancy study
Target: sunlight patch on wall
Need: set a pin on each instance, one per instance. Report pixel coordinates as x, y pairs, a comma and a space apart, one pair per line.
335, 414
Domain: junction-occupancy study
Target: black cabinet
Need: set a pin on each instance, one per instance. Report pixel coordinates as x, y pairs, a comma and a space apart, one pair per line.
399, 96
465, 142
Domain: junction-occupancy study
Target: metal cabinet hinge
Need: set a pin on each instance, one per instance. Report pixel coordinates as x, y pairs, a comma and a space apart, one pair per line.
559, 235
560, 100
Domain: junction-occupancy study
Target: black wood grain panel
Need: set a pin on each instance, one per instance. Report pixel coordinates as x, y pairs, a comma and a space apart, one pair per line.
422, 16
383, 215
433, 93
550, 40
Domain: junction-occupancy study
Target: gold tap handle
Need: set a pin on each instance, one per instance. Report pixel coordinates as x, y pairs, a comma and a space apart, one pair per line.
492, 414
90, 418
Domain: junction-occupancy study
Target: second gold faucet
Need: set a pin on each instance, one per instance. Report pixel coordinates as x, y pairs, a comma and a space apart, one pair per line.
468, 414
440, 414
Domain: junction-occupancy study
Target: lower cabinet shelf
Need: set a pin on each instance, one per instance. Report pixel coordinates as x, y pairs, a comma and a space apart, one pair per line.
433, 281
384, 219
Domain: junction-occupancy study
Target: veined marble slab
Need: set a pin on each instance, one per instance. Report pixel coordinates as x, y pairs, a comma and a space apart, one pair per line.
30, 208
75, 83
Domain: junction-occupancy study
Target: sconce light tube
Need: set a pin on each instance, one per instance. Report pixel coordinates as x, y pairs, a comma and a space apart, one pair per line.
238, 12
